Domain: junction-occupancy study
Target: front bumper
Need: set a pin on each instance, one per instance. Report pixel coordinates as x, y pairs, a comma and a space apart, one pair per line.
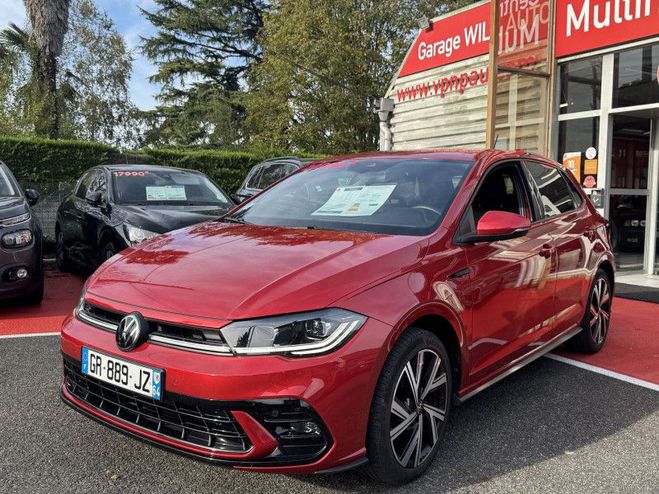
11, 259
332, 391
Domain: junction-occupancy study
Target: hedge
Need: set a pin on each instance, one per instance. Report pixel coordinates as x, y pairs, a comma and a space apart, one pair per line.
38, 160
226, 168
42, 160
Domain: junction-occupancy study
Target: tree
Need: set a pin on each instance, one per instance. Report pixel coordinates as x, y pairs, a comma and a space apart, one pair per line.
202, 49
92, 94
324, 63
49, 20
99, 65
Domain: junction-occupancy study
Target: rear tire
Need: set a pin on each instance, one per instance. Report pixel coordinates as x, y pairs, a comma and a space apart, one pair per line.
410, 408
597, 318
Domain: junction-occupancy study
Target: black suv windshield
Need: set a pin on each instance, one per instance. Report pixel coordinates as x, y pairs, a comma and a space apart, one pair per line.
380, 195
165, 187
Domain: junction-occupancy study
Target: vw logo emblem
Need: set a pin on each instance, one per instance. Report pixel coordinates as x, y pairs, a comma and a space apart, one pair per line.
132, 331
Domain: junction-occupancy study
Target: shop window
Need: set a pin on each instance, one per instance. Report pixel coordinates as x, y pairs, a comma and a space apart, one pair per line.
635, 76
521, 112
581, 85
576, 136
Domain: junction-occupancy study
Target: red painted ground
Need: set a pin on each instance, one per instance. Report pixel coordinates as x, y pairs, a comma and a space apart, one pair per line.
632, 347
61, 295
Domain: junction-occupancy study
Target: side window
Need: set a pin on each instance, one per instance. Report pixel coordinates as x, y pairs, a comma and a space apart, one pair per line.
555, 194
98, 183
501, 190
85, 183
254, 178
275, 172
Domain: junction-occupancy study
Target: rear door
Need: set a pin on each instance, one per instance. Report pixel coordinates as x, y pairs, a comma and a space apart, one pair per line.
566, 217
513, 281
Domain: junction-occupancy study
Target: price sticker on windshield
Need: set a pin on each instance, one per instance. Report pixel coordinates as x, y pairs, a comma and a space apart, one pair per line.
363, 200
141, 173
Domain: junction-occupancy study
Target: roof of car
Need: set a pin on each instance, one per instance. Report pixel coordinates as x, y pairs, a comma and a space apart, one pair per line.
144, 166
487, 156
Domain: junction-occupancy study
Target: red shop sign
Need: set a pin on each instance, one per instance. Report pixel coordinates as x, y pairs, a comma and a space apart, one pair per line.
451, 39
585, 25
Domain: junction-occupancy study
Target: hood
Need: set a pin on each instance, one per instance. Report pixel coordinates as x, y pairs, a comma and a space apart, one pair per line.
161, 219
226, 271
12, 206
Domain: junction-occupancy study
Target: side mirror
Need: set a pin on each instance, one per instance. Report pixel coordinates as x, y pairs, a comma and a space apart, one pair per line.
32, 196
94, 198
236, 198
500, 225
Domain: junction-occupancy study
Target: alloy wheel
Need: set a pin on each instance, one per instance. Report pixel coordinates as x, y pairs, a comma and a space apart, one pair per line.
600, 310
418, 408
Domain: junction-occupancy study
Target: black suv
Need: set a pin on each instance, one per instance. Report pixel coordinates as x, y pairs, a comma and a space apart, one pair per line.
266, 173
21, 269
113, 207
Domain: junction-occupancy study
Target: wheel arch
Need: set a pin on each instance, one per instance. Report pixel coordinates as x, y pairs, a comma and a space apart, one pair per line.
446, 325
607, 267
442, 328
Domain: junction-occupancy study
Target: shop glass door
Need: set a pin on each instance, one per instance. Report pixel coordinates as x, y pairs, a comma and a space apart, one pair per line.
631, 147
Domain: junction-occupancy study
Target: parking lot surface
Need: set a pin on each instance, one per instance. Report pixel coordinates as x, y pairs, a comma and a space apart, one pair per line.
550, 427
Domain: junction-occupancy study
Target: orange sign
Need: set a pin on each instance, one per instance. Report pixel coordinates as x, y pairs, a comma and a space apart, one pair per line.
590, 167
572, 162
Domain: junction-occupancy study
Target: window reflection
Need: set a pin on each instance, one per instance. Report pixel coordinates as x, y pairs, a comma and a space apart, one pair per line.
581, 83
635, 77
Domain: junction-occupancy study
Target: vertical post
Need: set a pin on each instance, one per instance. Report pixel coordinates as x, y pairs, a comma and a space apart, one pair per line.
490, 128
552, 82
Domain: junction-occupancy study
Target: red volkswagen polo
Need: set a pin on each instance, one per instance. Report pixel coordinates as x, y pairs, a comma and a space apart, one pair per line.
332, 320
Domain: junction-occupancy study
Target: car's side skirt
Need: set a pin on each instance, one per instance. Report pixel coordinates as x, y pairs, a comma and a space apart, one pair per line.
522, 361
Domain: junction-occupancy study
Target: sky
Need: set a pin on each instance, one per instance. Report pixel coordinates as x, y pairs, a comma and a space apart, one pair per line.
130, 22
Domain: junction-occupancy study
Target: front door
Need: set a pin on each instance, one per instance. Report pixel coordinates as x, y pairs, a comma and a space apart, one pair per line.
513, 281
632, 197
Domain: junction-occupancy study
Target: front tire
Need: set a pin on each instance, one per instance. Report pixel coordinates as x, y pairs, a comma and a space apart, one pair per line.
107, 251
36, 296
597, 318
410, 408
63, 262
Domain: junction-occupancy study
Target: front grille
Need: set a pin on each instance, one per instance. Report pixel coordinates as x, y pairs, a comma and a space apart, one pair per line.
209, 423
200, 424
204, 339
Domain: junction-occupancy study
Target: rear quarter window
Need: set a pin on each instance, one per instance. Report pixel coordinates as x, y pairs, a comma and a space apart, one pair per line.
557, 196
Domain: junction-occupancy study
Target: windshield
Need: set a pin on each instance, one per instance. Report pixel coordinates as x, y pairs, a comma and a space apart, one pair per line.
392, 196
165, 187
7, 188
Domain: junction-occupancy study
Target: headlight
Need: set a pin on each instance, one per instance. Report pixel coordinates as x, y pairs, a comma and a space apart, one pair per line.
14, 240
15, 220
136, 235
306, 333
634, 222
643, 223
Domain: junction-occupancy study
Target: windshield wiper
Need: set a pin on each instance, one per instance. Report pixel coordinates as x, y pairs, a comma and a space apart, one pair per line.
233, 219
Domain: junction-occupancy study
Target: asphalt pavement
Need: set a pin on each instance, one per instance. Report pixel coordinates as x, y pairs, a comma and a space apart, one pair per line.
548, 428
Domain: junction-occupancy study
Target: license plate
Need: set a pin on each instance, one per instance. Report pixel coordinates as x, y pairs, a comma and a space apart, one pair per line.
137, 378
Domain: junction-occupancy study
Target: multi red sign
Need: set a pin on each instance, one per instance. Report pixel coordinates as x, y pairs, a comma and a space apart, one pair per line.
581, 25
585, 25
